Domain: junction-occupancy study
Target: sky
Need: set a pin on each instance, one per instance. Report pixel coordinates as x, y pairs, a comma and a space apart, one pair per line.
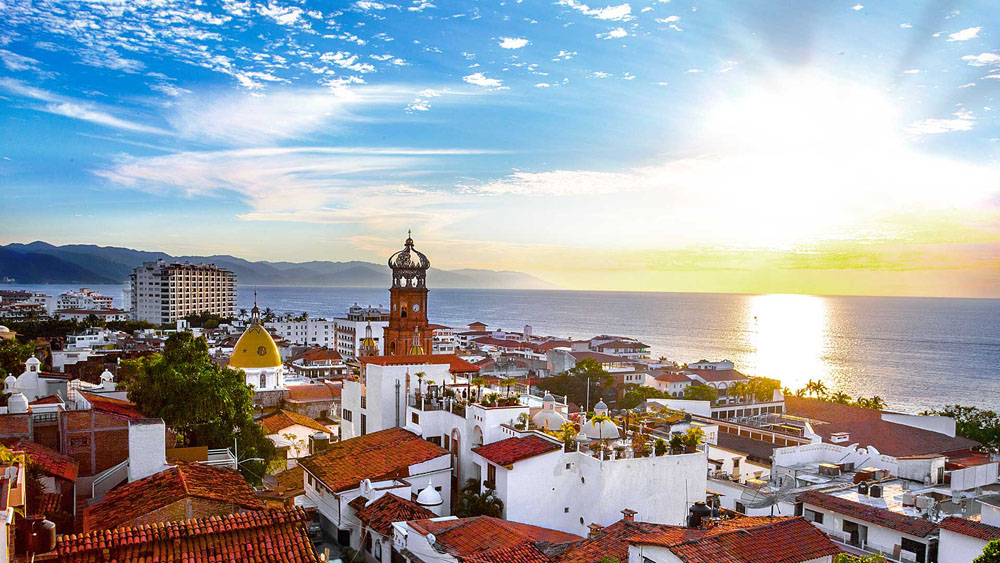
659, 145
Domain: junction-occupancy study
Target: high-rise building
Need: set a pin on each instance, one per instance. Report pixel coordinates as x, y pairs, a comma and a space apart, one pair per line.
352, 327
163, 292
407, 331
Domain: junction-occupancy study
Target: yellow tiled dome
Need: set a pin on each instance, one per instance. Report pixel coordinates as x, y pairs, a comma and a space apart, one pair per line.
255, 349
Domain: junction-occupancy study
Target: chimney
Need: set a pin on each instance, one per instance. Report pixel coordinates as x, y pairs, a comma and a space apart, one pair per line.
147, 448
318, 442
628, 515
595, 530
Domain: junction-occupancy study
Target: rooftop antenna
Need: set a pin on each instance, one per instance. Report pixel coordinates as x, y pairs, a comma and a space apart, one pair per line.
768, 495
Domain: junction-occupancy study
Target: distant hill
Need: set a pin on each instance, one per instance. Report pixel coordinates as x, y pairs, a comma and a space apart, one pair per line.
41, 262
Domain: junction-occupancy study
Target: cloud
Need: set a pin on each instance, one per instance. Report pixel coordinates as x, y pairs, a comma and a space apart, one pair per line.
15, 62
857, 7
964, 121
621, 12
73, 108
301, 184
247, 118
965, 34
616, 33
668, 19
480, 79
512, 42
905, 26
911, 71
983, 59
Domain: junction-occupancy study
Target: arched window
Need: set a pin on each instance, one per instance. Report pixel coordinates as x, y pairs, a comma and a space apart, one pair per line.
263, 380
403, 313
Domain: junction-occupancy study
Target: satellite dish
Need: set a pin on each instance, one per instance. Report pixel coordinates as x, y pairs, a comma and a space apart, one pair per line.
768, 495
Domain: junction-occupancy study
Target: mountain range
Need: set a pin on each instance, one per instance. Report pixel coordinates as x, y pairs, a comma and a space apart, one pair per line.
41, 262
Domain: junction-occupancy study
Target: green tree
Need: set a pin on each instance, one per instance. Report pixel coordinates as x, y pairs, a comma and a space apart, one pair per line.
875, 402
841, 398
635, 396
573, 383
991, 554
701, 393
13, 354
204, 403
976, 424
848, 558
476, 502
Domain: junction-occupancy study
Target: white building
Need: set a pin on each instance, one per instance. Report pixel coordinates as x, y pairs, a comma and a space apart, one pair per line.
308, 332
393, 460
963, 540
352, 327
444, 339
106, 315
163, 292
83, 299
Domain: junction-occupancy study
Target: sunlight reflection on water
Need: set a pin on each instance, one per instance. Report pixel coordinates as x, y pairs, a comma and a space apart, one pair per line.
789, 338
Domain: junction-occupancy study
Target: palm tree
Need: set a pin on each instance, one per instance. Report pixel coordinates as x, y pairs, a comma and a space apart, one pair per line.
507, 383
876, 403
243, 314
841, 398
268, 314
479, 382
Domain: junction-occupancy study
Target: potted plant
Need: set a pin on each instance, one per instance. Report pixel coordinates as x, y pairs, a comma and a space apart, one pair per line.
660, 446
676, 444
692, 438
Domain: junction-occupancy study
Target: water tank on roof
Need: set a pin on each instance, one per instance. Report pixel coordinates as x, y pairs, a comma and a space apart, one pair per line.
875, 491
697, 512
862, 488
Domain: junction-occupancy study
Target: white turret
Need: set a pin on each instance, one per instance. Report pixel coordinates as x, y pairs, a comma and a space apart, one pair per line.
548, 418
17, 403
430, 499
8, 384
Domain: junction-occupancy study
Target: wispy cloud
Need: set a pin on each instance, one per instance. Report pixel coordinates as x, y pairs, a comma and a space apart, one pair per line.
983, 59
73, 108
16, 62
480, 79
512, 42
621, 12
962, 121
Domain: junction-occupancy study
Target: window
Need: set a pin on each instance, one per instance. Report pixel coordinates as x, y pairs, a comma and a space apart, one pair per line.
364, 425
415, 418
346, 414
566, 510
80, 441
491, 474
813, 516
263, 380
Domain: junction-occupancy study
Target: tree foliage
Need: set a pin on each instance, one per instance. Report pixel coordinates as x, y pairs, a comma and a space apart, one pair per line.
991, 554
701, 393
848, 558
974, 423
573, 383
13, 354
635, 396
476, 502
204, 403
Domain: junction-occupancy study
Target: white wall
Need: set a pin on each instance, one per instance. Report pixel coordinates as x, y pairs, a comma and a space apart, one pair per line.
956, 548
940, 424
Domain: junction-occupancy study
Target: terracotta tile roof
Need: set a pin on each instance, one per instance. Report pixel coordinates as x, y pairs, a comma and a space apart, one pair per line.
512, 450
389, 508
745, 540
49, 461
628, 344
482, 535
673, 377
291, 479
598, 357
115, 407
757, 449
716, 375
521, 553
275, 422
875, 515
867, 428
457, 365
272, 536
50, 400
612, 541
316, 355
970, 528
122, 506
50, 503
313, 392
386, 454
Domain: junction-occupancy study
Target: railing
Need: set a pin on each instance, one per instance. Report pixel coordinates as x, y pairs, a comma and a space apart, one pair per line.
107, 480
221, 458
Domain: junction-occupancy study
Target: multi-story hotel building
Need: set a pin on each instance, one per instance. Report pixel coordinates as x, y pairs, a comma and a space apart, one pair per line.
163, 292
352, 328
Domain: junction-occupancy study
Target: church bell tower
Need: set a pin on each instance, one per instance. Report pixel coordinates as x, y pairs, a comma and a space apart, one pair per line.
407, 330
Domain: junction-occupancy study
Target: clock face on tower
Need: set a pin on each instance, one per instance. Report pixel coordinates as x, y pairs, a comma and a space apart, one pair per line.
416, 307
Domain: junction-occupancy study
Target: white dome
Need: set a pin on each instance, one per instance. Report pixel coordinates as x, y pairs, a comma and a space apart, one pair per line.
106, 376
32, 361
4, 329
548, 419
429, 496
600, 408
17, 403
604, 429
548, 398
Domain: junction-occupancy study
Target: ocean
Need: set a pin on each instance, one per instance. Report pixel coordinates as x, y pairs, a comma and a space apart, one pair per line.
916, 353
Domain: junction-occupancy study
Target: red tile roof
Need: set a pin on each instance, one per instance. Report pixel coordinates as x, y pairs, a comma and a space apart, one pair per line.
598, 357
521, 553
122, 506
483, 535
50, 400
875, 515
316, 355
716, 375
612, 541
389, 508
745, 540
867, 428
49, 461
970, 528
386, 454
313, 392
275, 422
115, 407
272, 536
457, 365
513, 450
673, 377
